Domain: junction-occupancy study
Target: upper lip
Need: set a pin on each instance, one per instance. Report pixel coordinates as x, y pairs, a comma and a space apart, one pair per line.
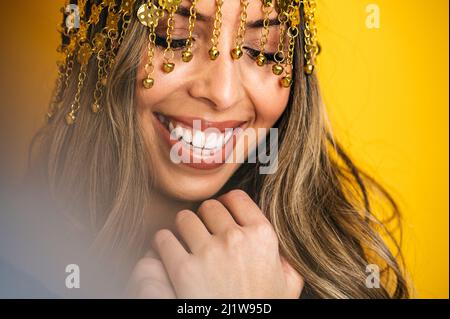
205, 124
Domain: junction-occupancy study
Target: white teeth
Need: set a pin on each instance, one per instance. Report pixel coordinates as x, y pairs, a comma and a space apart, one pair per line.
219, 141
197, 151
179, 132
228, 135
211, 141
206, 152
198, 140
203, 144
187, 136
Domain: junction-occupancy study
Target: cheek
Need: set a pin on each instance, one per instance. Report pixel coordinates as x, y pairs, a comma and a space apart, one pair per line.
163, 86
270, 101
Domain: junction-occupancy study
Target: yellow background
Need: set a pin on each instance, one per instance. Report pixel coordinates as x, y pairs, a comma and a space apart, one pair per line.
386, 91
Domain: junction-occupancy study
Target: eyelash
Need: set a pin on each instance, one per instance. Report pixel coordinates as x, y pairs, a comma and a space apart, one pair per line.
178, 44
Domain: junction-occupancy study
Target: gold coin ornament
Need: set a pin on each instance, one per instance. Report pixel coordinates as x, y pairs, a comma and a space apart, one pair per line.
149, 15
112, 22
294, 16
82, 33
127, 6
110, 3
169, 5
95, 14
99, 42
84, 53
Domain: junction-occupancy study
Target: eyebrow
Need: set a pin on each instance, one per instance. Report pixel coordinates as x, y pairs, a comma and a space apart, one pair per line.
185, 12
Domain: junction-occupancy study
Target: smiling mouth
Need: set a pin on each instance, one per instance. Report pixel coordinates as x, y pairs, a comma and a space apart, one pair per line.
207, 142
211, 135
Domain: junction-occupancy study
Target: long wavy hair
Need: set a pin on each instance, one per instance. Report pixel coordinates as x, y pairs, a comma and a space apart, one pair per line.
318, 200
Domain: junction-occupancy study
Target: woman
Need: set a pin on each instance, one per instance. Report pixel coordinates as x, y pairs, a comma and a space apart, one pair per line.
156, 76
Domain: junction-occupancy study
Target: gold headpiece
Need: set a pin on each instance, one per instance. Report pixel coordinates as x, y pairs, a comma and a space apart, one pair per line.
93, 30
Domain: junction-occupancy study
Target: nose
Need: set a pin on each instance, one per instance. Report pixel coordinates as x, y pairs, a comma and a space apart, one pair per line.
219, 82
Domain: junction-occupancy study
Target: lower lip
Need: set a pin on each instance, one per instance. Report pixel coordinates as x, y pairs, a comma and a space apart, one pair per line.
217, 159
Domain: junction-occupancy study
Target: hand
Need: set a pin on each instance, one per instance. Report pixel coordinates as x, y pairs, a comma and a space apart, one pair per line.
232, 253
149, 280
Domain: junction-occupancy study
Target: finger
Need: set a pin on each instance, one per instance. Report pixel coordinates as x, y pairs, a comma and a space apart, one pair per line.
170, 250
215, 216
192, 230
294, 280
149, 279
242, 207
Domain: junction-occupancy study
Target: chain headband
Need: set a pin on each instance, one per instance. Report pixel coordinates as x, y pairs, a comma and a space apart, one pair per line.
93, 30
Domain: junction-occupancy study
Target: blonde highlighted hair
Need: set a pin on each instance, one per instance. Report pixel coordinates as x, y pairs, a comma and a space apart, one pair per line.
318, 200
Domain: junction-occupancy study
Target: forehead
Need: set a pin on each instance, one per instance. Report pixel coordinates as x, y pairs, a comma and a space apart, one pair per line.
231, 10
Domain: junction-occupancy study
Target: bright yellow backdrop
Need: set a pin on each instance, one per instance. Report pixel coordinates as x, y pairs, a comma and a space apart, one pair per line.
387, 95
386, 90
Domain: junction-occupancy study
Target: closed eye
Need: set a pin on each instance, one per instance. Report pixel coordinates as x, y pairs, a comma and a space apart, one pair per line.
178, 44
270, 57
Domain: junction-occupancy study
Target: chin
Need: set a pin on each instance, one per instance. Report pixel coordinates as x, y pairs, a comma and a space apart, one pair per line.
190, 187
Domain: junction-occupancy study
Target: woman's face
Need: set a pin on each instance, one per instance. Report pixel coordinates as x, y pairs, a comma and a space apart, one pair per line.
219, 95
